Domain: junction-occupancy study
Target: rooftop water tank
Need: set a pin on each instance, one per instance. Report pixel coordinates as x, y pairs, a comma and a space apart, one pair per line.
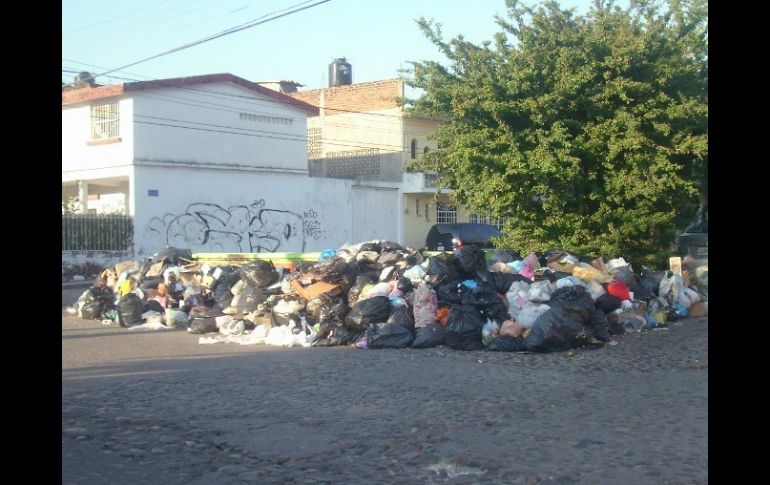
340, 73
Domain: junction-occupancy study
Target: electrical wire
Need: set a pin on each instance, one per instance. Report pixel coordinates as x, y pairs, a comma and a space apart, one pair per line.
233, 30
112, 19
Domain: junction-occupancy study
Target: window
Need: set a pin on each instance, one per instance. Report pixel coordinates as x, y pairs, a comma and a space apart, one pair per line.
495, 221
105, 121
425, 150
445, 214
417, 207
414, 148
314, 143
478, 219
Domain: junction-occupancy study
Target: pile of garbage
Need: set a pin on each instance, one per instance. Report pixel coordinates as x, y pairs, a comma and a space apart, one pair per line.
378, 294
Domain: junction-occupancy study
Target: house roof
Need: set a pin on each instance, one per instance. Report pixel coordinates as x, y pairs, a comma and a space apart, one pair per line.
78, 95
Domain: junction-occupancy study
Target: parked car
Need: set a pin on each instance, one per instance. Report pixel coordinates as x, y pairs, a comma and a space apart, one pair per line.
448, 237
694, 241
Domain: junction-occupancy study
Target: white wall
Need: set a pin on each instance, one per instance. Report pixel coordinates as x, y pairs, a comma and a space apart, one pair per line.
212, 210
208, 128
107, 159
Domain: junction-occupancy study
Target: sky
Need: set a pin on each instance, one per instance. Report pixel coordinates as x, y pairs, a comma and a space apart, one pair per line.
377, 37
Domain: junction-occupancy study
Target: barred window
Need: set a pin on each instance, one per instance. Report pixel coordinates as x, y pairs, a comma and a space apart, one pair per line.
445, 214
500, 222
105, 121
413, 151
478, 219
314, 143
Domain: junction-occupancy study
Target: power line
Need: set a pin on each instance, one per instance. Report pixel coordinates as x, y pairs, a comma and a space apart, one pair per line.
127, 14
233, 30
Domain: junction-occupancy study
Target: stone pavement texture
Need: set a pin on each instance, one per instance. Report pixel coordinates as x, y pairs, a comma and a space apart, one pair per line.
156, 407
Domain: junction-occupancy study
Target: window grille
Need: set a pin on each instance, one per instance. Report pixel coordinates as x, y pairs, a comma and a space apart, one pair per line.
314, 142
105, 121
354, 164
446, 214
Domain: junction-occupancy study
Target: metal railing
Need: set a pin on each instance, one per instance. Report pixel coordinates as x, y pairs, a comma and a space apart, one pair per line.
86, 232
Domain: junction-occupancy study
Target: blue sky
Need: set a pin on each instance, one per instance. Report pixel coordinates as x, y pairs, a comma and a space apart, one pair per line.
376, 37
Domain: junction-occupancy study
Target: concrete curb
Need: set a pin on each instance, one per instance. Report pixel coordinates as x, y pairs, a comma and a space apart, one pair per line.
76, 284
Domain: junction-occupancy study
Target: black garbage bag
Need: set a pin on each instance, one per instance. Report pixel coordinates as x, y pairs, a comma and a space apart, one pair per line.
615, 326
153, 306
172, 256
556, 330
506, 343
431, 335
607, 303
390, 246
199, 311
342, 335
404, 285
130, 310
259, 274
369, 269
221, 293
248, 299
396, 333
355, 291
463, 328
203, 325
326, 308
574, 300
599, 326
371, 310
469, 260
371, 246
502, 282
649, 284
551, 275
389, 258
441, 268
151, 282
332, 270
487, 302
448, 293
97, 300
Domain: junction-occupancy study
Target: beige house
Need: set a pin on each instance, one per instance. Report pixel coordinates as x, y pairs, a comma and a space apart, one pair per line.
362, 133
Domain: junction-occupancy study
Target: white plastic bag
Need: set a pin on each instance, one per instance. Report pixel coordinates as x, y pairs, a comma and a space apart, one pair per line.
540, 291
530, 313
425, 306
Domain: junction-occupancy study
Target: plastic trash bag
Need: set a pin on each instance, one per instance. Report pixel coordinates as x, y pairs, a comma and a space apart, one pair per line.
441, 267
463, 328
530, 313
425, 306
619, 290
130, 310
416, 273
504, 343
380, 289
511, 328
469, 260
487, 301
203, 325
502, 281
429, 336
371, 310
95, 301
607, 303
489, 332
396, 333
176, 318
540, 291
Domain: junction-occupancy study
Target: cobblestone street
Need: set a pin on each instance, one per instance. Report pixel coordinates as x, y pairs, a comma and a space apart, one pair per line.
157, 407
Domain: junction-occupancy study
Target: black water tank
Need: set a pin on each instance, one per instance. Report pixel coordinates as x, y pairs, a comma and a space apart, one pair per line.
340, 73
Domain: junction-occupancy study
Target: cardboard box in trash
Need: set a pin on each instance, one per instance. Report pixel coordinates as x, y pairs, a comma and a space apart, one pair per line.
315, 290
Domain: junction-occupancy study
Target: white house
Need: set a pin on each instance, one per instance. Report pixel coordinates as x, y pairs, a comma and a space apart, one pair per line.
215, 163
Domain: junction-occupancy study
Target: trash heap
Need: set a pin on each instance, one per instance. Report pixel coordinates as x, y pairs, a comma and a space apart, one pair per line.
379, 294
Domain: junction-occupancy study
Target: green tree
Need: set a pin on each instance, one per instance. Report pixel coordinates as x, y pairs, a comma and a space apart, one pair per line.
589, 131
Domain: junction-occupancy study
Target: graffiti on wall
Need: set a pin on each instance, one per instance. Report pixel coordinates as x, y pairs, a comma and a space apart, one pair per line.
250, 228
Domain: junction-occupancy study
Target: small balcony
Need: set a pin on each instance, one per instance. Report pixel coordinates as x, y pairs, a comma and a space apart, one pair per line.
420, 183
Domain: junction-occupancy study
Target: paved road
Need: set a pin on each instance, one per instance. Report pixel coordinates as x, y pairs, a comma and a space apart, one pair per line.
157, 407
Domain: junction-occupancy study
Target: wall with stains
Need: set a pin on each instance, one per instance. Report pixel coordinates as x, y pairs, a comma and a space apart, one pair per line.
241, 211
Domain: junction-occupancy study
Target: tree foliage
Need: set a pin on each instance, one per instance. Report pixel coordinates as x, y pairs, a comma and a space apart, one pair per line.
589, 131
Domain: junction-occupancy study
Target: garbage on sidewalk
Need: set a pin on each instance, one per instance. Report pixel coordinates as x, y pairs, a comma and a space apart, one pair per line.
378, 294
